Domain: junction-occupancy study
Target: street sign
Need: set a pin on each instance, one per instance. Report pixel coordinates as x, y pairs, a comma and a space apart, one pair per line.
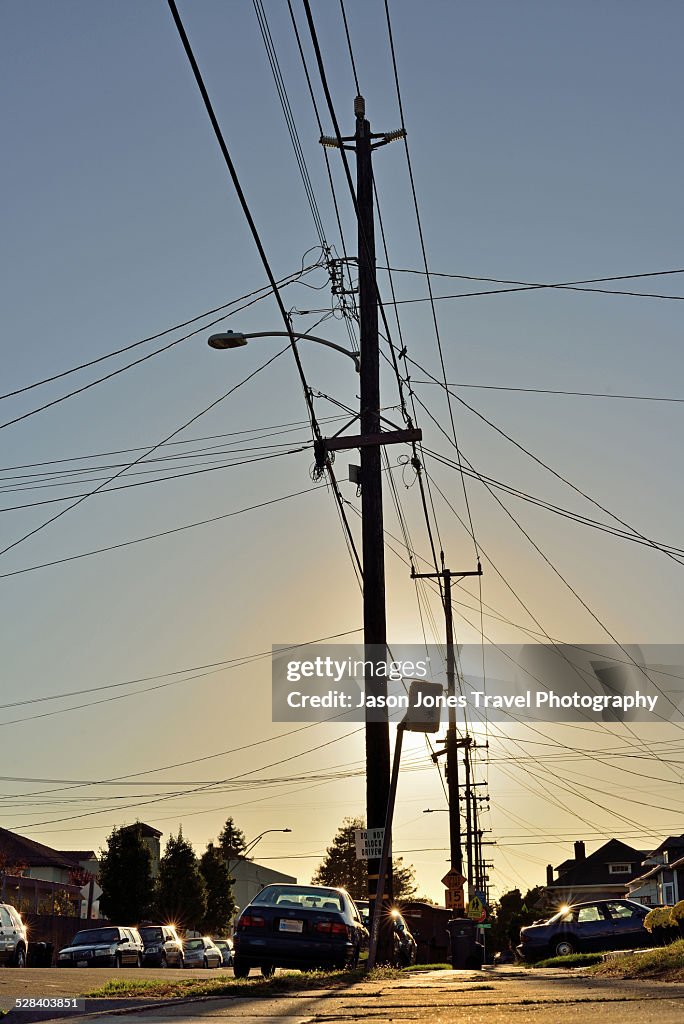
424, 706
476, 909
454, 899
453, 879
369, 843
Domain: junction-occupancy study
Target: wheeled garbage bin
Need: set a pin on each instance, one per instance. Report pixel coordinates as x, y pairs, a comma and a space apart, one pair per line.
466, 953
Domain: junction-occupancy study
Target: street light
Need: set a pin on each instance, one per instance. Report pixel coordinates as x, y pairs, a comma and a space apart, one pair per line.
238, 339
252, 843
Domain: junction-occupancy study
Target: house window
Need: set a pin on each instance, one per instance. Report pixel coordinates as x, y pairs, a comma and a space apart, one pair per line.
619, 869
668, 894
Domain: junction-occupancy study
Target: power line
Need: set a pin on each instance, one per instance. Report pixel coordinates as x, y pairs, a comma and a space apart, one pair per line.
160, 334
576, 286
96, 490
425, 263
122, 369
267, 268
551, 391
546, 466
161, 533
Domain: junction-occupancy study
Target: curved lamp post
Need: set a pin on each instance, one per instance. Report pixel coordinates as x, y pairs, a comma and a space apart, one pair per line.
238, 339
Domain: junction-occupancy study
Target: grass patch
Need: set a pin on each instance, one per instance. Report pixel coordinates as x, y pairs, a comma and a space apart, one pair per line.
664, 964
573, 960
427, 967
291, 981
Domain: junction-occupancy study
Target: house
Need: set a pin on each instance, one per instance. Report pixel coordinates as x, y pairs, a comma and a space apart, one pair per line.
604, 874
150, 837
662, 884
26, 857
250, 878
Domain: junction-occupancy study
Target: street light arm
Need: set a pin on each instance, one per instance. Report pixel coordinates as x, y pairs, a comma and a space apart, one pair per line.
241, 337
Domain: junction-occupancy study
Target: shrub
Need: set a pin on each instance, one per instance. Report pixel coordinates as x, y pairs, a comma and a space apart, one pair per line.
659, 917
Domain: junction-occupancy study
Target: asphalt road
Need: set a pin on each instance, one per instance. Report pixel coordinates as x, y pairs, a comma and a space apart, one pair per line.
505, 995
71, 981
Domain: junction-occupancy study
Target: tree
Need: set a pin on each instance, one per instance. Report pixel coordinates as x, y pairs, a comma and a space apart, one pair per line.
221, 905
513, 912
341, 868
181, 891
125, 876
232, 841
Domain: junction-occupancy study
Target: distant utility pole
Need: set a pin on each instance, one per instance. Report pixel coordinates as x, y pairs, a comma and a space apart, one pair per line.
452, 742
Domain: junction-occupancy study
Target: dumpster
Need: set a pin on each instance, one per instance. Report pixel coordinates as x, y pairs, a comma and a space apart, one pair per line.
466, 953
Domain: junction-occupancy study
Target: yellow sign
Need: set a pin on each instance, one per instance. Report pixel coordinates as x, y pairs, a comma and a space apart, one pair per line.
476, 909
453, 879
454, 899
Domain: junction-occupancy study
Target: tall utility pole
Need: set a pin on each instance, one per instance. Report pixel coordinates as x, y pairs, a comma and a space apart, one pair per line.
373, 541
369, 441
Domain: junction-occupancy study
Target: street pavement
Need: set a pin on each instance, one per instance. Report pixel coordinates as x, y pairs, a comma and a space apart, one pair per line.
502, 995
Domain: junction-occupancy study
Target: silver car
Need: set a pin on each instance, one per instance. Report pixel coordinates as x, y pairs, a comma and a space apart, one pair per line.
202, 953
13, 937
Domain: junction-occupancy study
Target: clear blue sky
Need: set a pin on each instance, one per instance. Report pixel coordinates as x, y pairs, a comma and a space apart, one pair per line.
546, 147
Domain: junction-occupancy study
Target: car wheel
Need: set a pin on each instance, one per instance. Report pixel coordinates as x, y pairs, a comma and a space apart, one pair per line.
268, 970
205, 963
240, 968
164, 962
117, 961
564, 947
20, 957
138, 962
181, 962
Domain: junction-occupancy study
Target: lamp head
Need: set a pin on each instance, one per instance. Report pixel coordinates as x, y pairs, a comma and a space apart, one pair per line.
227, 339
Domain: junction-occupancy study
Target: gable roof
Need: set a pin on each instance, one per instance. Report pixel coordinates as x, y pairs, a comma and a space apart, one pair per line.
18, 849
78, 855
594, 870
671, 843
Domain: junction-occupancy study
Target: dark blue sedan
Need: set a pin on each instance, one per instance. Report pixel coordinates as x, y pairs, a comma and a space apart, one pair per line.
300, 926
586, 927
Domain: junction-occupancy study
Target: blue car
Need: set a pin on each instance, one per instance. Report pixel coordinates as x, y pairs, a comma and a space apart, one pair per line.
300, 926
586, 927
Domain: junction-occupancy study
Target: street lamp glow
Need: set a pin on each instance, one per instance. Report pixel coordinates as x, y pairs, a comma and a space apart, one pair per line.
238, 339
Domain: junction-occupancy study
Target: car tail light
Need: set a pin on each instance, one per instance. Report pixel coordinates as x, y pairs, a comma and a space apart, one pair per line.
331, 928
251, 921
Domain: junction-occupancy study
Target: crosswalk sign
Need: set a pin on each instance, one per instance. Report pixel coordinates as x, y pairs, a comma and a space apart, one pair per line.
476, 910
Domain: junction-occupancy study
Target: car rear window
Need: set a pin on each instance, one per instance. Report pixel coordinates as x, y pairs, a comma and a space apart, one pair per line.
309, 899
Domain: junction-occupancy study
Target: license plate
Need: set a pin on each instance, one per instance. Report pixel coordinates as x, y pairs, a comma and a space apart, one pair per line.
291, 926
81, 963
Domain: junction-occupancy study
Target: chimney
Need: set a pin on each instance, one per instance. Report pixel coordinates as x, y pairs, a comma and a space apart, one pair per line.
580, 853
549, 874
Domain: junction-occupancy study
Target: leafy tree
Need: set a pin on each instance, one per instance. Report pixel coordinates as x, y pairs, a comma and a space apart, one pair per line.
513, 912
125, 876
221, 904
232, 841
181, 894
341, 868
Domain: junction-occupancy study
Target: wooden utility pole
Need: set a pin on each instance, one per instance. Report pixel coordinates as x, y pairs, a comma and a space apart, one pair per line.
452, 742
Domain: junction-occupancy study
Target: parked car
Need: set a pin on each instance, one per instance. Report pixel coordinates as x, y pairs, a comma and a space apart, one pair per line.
202, 953
112, 946
585, 927
13, 937
226, 947
405, 950
405, 947
163, 948
301, 926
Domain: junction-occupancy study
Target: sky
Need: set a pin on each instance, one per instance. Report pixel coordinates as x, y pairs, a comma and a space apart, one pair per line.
544, 146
